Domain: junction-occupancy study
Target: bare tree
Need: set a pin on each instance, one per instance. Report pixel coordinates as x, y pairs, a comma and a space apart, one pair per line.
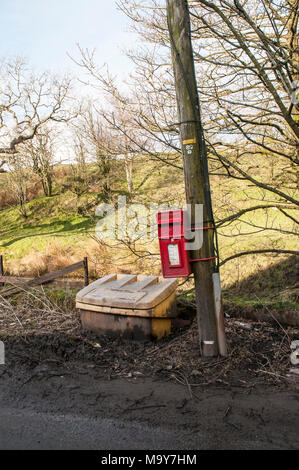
2, 169
143, 115
249, 66
251, 59
18, 179
247, 63
27, 102
40, 152
78, 181
98, 143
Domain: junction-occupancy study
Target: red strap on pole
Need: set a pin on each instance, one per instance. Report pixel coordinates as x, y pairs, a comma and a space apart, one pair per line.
203, 259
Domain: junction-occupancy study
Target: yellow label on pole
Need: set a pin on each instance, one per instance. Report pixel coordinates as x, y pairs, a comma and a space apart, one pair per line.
189, 141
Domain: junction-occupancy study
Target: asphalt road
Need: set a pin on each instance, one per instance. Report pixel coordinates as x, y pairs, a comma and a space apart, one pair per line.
28, 430
54, 407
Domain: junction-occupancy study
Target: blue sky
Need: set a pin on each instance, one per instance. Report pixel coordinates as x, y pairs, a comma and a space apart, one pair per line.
43, 31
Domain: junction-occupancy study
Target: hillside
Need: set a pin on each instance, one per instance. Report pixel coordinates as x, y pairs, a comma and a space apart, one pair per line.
60, 230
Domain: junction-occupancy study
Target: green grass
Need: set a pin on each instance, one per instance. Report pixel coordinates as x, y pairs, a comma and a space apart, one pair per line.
56, 217
48, 218
245, 301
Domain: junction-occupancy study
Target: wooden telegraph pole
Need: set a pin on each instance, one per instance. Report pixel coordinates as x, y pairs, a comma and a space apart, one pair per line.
197, 187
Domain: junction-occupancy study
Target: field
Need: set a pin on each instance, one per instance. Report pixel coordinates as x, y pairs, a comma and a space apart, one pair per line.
60, 230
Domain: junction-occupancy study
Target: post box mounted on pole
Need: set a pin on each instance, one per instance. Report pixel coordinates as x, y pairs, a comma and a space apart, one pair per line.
174, 256
173, 225
176, 260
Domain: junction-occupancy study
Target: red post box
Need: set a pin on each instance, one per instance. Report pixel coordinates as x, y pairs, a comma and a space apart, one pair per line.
174, 256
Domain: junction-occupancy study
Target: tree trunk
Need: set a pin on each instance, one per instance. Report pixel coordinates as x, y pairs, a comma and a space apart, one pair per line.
293, 45
129, 173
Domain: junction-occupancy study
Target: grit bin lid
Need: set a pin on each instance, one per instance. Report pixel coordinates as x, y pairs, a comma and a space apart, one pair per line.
127, 291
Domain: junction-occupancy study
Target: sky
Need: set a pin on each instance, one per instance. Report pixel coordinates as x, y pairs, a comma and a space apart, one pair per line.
44, 31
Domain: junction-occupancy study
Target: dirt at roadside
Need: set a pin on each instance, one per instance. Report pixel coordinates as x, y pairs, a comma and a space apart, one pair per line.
259, 352
242, 401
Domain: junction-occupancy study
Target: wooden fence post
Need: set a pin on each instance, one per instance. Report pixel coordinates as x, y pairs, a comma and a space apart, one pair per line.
86, 276
1, 269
